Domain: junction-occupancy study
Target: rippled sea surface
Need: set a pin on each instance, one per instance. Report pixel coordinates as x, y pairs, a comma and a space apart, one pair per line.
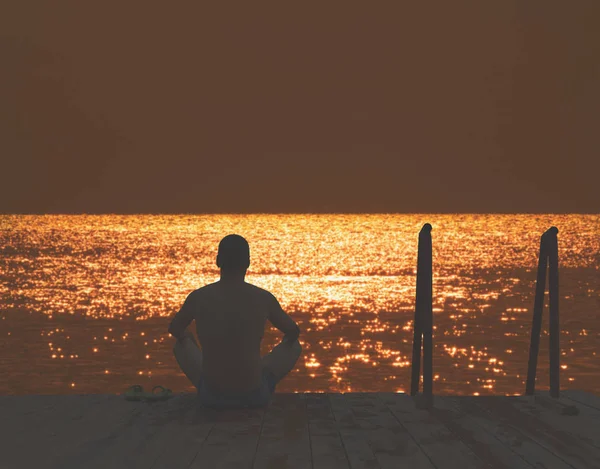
85, 301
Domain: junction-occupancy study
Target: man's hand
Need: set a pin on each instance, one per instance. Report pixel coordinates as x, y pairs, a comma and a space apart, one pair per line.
282, 321
185, 334
189, 334
184, 317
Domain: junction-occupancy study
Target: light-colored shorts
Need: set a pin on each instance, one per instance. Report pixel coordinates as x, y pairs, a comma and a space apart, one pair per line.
257, 398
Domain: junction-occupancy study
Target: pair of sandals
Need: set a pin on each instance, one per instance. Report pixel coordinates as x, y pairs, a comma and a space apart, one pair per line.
136, 393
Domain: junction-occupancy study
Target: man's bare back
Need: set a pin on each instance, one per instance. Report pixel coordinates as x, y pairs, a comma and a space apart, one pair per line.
230, 322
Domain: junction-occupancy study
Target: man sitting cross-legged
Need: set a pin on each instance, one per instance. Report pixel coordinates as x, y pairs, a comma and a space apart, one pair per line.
230, 319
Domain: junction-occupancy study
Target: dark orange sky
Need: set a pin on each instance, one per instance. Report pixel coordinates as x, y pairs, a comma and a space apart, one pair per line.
436, 107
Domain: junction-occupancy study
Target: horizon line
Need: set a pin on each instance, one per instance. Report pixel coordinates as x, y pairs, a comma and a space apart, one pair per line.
289, 213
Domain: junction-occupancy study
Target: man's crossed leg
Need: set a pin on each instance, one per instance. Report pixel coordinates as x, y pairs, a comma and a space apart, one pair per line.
279, 361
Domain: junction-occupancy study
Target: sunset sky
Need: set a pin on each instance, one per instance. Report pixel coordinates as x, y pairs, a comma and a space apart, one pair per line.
438, 107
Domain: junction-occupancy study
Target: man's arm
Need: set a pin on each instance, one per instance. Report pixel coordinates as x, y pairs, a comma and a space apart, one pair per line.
183, 318
282, 321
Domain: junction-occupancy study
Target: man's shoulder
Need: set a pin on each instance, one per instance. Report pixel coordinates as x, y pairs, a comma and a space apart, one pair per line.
205, 288
266, 294
202, 291
254, 289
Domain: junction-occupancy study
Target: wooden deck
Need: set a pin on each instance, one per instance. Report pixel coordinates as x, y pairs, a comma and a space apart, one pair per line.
331, 431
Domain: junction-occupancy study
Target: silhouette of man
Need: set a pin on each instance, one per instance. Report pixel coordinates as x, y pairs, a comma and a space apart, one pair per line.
230, 319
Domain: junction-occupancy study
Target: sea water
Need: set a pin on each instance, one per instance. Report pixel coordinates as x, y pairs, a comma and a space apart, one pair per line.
85, 301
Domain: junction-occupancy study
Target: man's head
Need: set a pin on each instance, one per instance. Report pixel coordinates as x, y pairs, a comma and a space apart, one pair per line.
234, 253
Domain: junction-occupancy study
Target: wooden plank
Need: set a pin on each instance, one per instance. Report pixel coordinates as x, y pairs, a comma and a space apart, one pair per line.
391, 444
51, 434
169, 420
562, 445
509, 435
574, 437
232, 440
284, 439
151, 445
48, 430
27, 413
359, 453
74, 438
32, 403
442, 446
586, 398
325, 440
125, 442
561, 405
96, 439
53, 438
345, 430
477, 437
566, 401
583, 426
183, 439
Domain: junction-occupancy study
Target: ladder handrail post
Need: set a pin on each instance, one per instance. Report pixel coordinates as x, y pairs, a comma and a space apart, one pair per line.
548, 260
536, 327
554, 329
428, 317
422, 321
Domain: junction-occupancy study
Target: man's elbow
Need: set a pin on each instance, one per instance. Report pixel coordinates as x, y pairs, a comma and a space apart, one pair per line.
293, 334
173, 331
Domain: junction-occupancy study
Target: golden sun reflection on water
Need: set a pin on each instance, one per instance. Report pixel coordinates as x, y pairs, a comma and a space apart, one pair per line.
90, 297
